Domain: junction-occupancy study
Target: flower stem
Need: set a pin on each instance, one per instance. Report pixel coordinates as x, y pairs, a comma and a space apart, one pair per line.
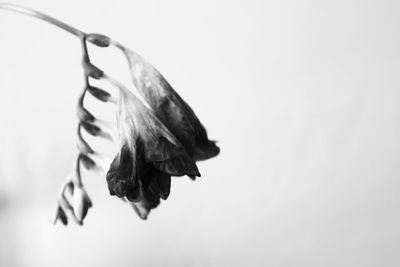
41, 16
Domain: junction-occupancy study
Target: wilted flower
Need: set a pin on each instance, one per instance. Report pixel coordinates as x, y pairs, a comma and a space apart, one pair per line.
156, 142
148, 157
100, 94
169, 107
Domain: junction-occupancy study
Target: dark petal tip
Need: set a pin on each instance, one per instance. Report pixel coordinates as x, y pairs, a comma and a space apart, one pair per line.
83, 114
92, 71
140, 211
61, 216
206, 151
118, 188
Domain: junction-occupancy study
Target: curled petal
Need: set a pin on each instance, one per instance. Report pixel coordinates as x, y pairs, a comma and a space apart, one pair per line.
121, 177
159, 145
148, 201
170, 108
140, 182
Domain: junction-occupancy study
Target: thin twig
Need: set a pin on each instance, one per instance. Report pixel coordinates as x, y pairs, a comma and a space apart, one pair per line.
41, 16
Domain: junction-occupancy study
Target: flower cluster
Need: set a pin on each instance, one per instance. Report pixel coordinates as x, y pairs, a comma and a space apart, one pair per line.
159, 137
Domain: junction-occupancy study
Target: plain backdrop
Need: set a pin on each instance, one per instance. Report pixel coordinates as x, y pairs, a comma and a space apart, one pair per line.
303, 97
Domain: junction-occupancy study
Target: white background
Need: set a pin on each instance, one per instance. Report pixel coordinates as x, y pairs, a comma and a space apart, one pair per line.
303, 97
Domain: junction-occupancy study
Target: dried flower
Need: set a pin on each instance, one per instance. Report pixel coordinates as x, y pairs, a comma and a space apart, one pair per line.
169, 107
158, 138
98, 39
82, 145
148, 157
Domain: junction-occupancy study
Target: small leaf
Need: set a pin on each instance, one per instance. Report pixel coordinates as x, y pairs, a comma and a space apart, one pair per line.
99, 93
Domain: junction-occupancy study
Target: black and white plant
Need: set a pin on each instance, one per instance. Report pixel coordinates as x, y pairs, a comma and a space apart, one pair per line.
158, 135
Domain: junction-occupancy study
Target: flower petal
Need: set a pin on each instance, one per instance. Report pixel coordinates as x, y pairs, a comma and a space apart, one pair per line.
170, 108
161, 185
148, 201
160, 146
121, 177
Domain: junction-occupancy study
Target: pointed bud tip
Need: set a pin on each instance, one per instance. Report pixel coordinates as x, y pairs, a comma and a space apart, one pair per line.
87, 161
100, 94
98, 39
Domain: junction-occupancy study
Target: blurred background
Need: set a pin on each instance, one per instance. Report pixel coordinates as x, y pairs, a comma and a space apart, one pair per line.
303, 97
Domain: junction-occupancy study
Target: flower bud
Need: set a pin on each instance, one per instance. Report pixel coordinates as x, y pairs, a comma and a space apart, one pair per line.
98, 39
61, 216
87, 161
170, 108
99, 93
81, 203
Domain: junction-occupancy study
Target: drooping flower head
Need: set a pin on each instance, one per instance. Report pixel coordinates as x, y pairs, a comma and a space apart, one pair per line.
149, 155
169, 107
159, 136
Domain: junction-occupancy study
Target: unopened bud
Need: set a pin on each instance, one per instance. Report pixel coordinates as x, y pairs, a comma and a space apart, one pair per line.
98, 93
91, 128
81, 203
98, 39
61, 216
82, 145
83, 114
87, 161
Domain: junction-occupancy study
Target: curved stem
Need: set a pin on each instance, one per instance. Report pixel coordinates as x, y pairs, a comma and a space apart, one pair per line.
41, 16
